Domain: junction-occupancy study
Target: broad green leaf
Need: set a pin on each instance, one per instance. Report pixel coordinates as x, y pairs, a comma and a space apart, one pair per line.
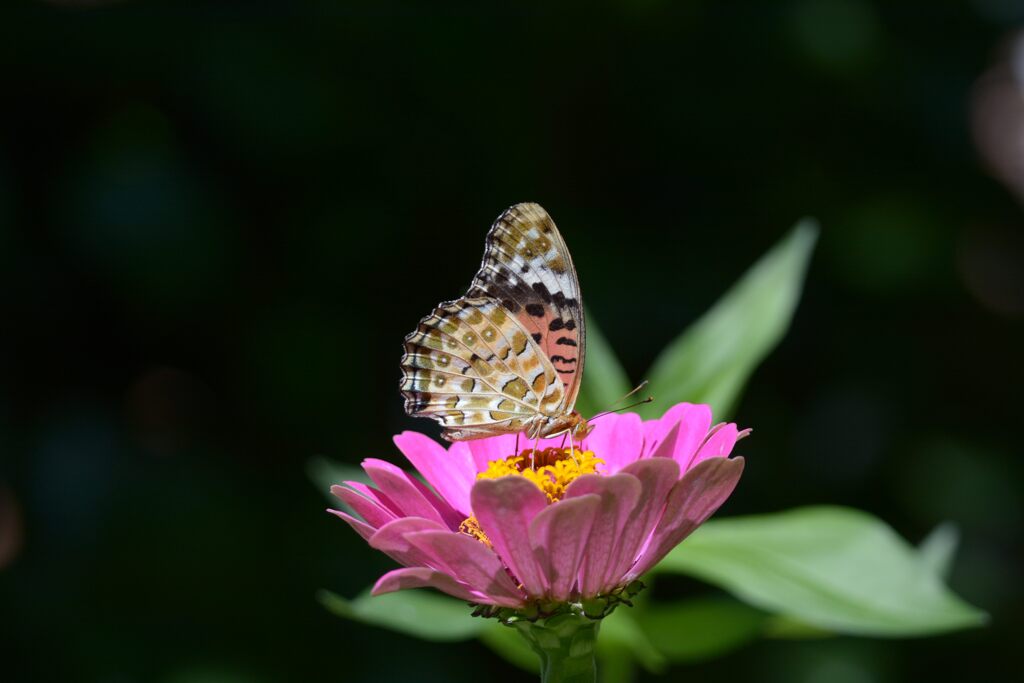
620, 633
431, 616
325, 473
604, 380
418, 613
782, 627
834, 568
701, 628
711, 361
939, 548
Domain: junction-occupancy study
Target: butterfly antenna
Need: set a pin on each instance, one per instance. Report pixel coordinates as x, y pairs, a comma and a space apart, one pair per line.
634, 390
649, 399
632, 405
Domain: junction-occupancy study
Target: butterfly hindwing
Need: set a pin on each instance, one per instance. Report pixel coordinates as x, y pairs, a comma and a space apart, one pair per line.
472, 367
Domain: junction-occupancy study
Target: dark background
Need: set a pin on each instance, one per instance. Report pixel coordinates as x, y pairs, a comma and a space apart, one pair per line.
218, 220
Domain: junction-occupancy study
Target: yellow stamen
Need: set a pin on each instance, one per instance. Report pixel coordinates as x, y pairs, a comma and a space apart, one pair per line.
472, 528
552, 471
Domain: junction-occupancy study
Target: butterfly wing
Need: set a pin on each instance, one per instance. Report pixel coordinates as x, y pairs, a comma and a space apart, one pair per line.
472, 367
527, 268
511, 351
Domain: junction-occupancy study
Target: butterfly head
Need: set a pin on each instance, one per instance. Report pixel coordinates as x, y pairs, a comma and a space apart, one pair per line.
582, 427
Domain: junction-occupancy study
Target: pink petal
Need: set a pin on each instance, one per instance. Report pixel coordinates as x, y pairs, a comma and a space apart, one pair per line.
422, 577
391, 540
718, 445
619, 494
494, 448
505, 507
452, 517
692, 500
361, 528
656, 429
657, 476
374, 515
471, 562
450, 472
693, 421
616, 439
559, 535
374, 495
666, 447
397, 486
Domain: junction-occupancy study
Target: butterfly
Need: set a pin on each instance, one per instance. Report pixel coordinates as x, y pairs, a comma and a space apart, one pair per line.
508, 356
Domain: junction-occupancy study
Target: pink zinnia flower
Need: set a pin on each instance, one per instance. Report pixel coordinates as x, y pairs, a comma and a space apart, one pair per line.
577, 525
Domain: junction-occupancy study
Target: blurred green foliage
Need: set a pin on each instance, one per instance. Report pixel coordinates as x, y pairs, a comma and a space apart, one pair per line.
711, 361
218, 221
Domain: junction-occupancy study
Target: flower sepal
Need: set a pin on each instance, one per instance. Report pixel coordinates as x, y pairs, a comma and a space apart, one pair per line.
566, 645
595, 608
602, 606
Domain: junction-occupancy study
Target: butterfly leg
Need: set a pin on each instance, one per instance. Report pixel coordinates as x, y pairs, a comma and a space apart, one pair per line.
572, 448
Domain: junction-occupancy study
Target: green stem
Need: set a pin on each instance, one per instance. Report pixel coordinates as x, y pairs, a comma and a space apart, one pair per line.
565, 645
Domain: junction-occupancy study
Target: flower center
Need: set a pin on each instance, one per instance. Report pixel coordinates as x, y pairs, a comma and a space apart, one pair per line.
550, 469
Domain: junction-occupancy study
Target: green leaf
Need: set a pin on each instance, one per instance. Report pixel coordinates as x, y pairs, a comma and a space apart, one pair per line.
701, 628
621, 634
782, 627
711, 361
418, 613
604, 380
325, 473
835, 568
431, 616
939, 547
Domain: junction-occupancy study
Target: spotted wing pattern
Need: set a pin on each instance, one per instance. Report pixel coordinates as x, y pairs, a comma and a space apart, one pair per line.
472, 367
509, 352
528, 269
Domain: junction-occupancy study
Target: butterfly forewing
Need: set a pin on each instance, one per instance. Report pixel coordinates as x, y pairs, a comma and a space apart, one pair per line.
509, 353
528, 269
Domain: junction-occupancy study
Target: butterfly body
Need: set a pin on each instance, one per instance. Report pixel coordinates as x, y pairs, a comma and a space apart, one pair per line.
508, 356
556, 425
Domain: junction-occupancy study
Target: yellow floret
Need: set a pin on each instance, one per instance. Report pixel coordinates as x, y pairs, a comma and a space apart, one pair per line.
551, 470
